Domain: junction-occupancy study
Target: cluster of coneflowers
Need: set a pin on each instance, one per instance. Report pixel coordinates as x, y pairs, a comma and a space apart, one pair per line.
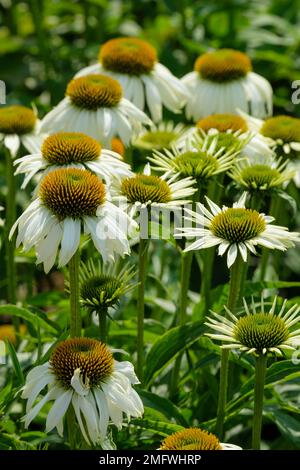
83, 187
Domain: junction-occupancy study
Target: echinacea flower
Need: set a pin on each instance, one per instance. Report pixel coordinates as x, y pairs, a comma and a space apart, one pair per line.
94, 105
283, 133
254, 175
146, 82
258, 331
146, 190
72, 149
194, 439
103, 286
236, 230
66, 200
19, 125
159, 137
232, 129
199, 159
223, 82
82, 374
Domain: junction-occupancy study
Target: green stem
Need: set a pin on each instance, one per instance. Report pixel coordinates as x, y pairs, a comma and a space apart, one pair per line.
275, 212
185, 275
142, 268
103, 325
235, 291
10, 217
75, 320
71, 425
215, 190
260, 373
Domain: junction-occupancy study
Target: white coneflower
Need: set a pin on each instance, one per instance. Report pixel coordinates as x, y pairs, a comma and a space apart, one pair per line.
102, 286
73, 149
223, 82
232, 129
146, 82
198, 158
194, 439
284, 134
19, 125
94, 105
260, 175
68, 199
159, 137
258, 331
236, 230
147, 190
82, 374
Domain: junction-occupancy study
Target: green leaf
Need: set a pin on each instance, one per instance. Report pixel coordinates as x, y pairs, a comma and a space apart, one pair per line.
287, 425
163, 405
277, 372
33, 318
15, 361
168, 346
157, 427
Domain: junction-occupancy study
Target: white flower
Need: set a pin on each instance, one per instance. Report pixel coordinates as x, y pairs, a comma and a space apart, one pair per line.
146, 190
283, 134
236, 230
97, 387
73, 149
232, 129
145, 81
200, 157
259, 174
159, 137
187, 439
94, 105
68, 199
258, 332
222, 82
19, 125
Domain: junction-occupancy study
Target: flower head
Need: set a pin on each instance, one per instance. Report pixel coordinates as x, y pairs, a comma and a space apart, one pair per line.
159, 137
73, 149
197, 158
236, 230
82, 373
261, 176
94, 105
143, 190
194, 439
223, 81
285, 128
67, 199
258, 331
232, 131
133, 62
18, 124
282, 133
102, 287
130, 56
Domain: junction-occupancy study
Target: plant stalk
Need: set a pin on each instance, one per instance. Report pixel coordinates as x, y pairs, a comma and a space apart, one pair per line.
75, 319
103, 325
260, 374
185, 275
142, 270
237, 277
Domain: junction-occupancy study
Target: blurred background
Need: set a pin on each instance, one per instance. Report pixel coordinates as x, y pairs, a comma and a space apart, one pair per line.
44, 42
